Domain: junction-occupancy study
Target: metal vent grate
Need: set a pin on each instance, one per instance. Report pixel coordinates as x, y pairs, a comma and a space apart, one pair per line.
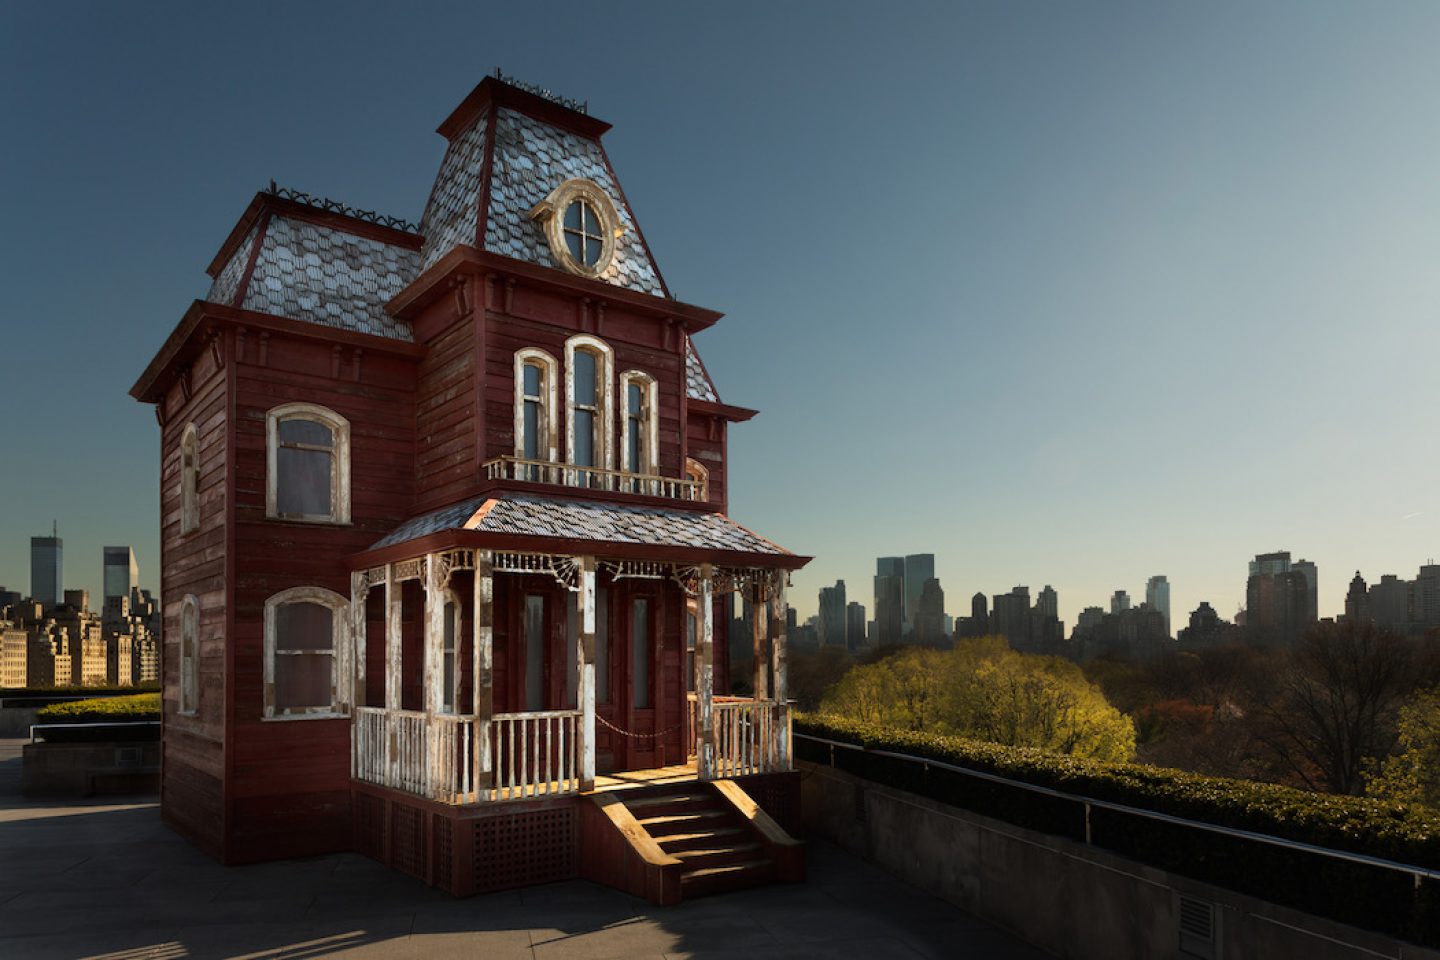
1197, 929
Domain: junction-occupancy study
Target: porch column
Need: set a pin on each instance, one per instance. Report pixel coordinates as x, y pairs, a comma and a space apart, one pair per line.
705, 689
777, 655
759, 620
434, 676
392, 675
351, 667
482, 686
585, 675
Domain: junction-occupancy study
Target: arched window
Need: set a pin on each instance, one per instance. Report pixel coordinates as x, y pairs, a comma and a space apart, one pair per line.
189, 654
190, 480
536, 435
308, 464
304, 630
589, 373
695, 470
639, 428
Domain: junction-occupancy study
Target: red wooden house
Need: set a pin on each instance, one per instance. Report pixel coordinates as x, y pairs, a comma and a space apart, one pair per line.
445, 539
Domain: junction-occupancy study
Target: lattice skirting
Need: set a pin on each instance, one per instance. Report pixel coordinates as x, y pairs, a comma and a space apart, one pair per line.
472, 850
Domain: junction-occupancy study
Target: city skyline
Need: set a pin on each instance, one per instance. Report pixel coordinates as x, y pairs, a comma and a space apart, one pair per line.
1229, 238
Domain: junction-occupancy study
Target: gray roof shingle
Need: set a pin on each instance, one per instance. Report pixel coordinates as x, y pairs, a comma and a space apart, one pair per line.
697, 381
451, 213
589, 520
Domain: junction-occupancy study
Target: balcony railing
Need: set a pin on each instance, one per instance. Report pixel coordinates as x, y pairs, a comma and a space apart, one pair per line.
594, 478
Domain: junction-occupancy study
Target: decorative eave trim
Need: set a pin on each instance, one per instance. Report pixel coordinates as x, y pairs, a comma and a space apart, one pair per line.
467, 260
723, 410
521, 543
205, 319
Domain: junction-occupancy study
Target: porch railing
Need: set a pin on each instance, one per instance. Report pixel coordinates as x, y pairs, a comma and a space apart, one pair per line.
428, 755
536, 754
593, 478
751, 736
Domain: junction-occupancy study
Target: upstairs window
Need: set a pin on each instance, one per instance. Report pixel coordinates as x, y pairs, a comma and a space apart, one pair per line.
581, 226
695, 470
589, 373
583, 238
639, 433
190, 480
303, 631
308, 464
535, 410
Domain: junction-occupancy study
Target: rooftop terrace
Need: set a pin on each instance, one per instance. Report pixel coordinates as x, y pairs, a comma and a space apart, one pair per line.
107, 879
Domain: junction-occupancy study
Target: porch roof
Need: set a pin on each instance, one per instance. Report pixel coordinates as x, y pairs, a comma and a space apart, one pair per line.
512, 521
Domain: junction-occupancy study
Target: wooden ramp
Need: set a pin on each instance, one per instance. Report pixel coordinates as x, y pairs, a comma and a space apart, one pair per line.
674, 841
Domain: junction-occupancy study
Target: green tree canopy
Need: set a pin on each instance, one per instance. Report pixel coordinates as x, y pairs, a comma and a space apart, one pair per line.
985, 690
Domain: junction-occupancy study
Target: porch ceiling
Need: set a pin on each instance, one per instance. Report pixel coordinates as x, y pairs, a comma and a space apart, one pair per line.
546, 525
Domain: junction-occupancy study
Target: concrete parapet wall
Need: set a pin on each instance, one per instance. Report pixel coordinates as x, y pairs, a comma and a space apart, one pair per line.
82, 769
1069, 899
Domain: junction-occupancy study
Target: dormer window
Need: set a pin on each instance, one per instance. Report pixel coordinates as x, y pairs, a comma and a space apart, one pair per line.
582, 233
580, 225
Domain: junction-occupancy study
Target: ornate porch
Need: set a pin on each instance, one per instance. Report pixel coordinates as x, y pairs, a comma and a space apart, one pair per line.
461, 751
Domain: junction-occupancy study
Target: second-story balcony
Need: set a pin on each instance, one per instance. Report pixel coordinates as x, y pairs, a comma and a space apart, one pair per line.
595, 478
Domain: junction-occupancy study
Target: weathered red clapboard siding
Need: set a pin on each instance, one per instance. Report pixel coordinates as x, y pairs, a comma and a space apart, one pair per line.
193, 768
288, 792
446, 461
705, 436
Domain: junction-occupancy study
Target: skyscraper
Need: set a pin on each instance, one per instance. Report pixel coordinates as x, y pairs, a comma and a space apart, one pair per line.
832, 616
1119, 602
122, 574
1157, 595
1010, 616
919, 567
930, 614
889, 600
855, 624
1357, 601
1278, 599
47, 569
1312, 584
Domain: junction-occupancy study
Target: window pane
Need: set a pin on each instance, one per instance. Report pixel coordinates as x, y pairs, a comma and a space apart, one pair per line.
532, 430
592, 251
572, 216
303, 485
583, 368
636, 399
447, 666
632, 452
572, 644
691, 629
573, 241
302, 680
534, 652
305, 431
304, 626
592, 223
585, 438
532, 380
640, 650
602, 645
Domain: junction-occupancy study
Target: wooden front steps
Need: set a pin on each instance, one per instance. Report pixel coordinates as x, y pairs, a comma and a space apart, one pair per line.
675, 842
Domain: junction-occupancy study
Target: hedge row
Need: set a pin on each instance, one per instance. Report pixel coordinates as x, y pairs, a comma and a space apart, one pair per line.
139, 706
1366, 896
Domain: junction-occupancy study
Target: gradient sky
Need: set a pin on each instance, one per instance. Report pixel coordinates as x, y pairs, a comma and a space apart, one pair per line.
1062, 293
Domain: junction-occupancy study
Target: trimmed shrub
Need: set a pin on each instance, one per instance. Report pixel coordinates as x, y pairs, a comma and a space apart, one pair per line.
128, 709
1363, 895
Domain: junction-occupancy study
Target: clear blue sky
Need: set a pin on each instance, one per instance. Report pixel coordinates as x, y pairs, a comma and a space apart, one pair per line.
1062, 293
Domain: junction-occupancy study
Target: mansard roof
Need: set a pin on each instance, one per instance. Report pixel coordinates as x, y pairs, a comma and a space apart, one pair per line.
544, 518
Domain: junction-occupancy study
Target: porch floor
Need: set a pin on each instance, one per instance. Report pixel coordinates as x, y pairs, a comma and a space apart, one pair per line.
655, 776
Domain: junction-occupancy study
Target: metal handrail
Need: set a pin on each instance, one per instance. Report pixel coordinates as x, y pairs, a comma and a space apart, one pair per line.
1089, 803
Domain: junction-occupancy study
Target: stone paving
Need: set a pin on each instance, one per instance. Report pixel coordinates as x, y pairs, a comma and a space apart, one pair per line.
90, 879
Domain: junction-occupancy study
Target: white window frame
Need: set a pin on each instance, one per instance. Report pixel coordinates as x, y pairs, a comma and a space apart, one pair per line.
695, 470
452, 600
550, 408
189, 699
605, 380
650, 442
340, 627
339, 461
190, 479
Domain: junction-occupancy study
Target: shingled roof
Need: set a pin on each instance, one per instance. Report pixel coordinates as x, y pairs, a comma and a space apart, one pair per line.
586, 520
